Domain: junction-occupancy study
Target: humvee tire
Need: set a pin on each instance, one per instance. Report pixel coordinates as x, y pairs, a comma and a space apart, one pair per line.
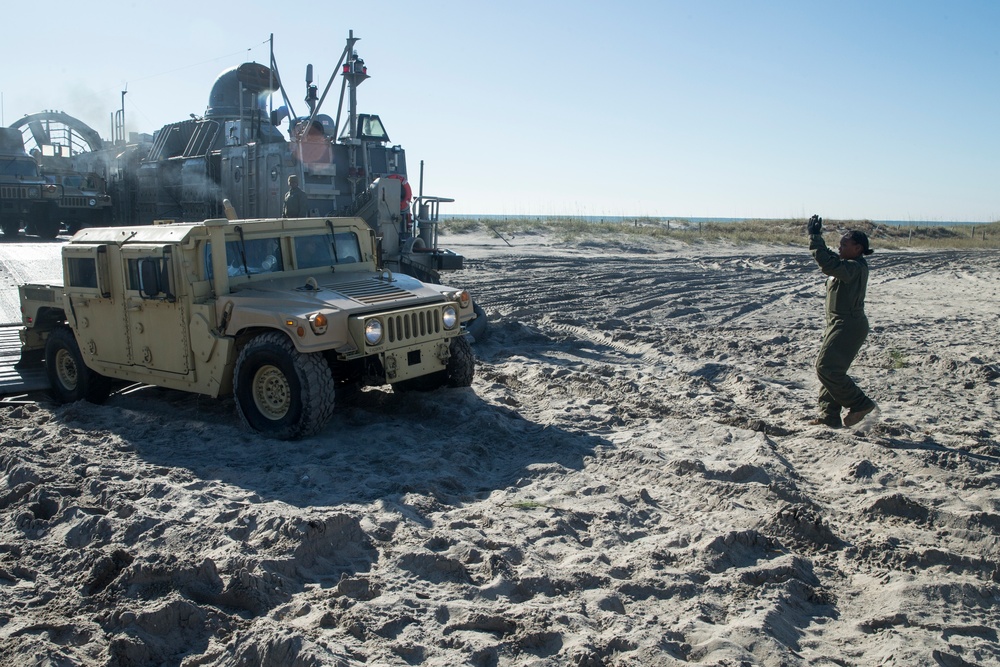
461, 365
69, 377
281, 392
10, 227
479, 328
458, 372
47, 229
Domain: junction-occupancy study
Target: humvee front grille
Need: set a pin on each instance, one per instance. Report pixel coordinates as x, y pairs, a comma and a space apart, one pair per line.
13, 192
403, 328
413, 325
73, 202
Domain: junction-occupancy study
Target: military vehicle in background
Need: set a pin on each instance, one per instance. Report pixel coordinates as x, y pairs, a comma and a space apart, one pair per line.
71, 159
84, 200
26, 198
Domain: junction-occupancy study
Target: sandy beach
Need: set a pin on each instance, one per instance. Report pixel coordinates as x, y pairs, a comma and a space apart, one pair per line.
629, 481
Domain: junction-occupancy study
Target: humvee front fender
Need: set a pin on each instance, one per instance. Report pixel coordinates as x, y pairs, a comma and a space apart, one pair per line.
296, 326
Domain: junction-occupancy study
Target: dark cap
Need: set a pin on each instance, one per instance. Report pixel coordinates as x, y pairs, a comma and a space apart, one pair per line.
861, 239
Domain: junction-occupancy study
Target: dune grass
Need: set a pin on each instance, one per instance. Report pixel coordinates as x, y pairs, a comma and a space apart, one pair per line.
781, 232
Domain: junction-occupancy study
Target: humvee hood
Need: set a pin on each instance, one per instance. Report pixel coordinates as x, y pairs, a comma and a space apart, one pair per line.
346, 291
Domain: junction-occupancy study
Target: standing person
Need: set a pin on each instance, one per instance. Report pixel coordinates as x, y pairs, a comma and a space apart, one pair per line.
296, 205
846, 325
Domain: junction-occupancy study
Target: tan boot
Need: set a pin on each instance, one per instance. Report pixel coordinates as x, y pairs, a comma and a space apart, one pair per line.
855, 416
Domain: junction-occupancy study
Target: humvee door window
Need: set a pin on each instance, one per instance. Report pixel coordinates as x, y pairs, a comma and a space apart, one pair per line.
254, 256
150, 277
82, 272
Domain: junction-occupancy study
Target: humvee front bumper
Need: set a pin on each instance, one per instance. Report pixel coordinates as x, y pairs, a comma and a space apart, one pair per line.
416, 361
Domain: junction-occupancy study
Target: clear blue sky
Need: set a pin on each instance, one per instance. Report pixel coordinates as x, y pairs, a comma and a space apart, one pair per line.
875, 109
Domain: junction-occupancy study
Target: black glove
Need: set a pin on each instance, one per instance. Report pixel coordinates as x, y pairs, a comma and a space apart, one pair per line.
815, 225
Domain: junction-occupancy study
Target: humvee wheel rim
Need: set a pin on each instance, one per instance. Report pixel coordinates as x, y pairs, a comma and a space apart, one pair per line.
271, 393
66, 371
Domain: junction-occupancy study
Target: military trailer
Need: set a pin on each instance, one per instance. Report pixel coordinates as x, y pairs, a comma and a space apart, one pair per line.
283, 314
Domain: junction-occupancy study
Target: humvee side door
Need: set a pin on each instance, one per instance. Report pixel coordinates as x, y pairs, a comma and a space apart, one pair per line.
95, 303
157, 319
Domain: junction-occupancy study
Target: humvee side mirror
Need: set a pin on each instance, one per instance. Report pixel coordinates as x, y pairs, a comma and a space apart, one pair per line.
149, 278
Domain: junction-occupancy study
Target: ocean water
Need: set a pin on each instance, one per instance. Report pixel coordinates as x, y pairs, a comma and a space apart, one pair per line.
691, 220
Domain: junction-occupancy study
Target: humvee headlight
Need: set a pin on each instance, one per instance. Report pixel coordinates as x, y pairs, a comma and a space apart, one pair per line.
449, 317
92, 202
318, 323
33, 192
373, 331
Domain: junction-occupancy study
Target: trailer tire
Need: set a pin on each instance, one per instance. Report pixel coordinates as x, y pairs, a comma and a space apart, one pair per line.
281, 392
69, 378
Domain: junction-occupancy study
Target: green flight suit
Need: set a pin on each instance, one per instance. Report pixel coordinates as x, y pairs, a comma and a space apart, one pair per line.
296, 204
846, 329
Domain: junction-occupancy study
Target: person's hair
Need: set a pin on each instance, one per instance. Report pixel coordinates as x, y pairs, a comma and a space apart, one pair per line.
293, 177
861, 239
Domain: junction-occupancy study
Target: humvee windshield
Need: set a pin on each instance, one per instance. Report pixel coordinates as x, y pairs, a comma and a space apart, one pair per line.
249, 258
325, 250
254, 256
18, 167
265, 256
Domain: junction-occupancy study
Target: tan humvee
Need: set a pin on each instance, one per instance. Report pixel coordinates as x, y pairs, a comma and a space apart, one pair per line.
281, 313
